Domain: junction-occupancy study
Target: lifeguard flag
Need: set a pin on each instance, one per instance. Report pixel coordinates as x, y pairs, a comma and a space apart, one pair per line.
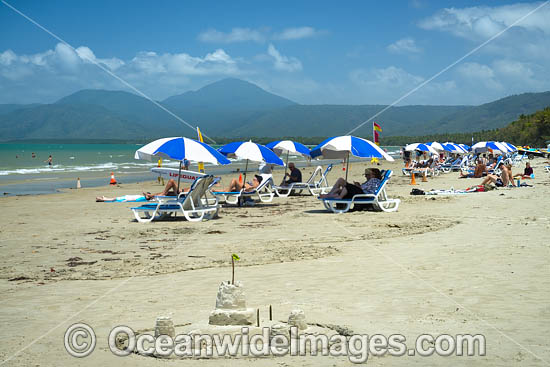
375, 129
201, 164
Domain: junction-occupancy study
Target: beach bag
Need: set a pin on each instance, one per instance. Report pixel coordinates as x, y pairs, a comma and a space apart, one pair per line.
416, 191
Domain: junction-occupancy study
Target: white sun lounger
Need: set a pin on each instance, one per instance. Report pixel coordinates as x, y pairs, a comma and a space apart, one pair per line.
315, 187
379, 199
264, 192
195, 205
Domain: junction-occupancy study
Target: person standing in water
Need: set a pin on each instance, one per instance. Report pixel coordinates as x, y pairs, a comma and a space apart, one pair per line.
49, 160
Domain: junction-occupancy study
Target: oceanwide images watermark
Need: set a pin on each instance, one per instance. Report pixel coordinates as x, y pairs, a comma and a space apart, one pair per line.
80, 341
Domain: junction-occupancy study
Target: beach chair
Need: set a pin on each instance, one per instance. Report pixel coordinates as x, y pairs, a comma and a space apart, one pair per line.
264, 192
379, 200
195, 205
315, 187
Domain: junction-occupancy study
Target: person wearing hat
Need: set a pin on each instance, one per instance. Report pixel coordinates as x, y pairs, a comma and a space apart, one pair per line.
345, 190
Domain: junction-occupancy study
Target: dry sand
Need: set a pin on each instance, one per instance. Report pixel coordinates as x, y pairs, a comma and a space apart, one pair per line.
476, 263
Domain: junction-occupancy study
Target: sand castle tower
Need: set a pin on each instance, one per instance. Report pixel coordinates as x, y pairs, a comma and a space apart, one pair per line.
231, 306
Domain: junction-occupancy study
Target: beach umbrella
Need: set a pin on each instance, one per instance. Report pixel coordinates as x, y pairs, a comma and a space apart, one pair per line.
421, 147
483, 146
251, 152
339, 147
465, 146
455, 148
438, 146
181, 148
511, 147
287, 147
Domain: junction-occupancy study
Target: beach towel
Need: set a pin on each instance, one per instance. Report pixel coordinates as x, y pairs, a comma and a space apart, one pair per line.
128, 199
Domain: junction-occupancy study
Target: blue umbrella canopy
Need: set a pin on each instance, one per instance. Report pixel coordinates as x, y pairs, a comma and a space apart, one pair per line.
251, 152
288, 147
180, 148
342, 146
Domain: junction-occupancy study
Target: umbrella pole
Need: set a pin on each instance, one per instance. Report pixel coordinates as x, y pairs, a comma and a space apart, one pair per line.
286, 165
245, 169
347, 167
179, 176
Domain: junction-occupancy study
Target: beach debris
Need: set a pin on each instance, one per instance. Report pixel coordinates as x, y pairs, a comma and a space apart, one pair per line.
52, 270
18, 278
231, 306
113, 180
297, 318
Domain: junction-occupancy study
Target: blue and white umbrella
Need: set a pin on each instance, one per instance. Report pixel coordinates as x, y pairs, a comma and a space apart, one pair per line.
421, 147
484, 146
455, 148
251, 152
343, 146
466, 147
287, 147
180, 148
281, 147
511, 147
438, 146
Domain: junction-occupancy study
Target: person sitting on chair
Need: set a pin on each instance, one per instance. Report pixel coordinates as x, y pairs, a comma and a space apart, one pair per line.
345, 190
171, 189
294, 176
235, 185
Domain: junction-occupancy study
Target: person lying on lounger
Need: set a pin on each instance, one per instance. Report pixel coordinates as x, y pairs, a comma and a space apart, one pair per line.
235, 185
503, 180
121, 199
345, 190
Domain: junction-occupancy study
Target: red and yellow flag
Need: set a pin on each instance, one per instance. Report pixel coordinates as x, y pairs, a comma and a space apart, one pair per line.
375, 129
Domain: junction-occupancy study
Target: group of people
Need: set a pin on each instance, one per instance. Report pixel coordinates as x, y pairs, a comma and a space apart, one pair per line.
341, 188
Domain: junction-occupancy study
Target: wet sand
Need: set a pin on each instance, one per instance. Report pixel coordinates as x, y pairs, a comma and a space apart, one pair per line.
475, 263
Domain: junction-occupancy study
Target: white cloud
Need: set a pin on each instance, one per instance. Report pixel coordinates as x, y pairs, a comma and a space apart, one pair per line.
484, 21
283, 63
63, 70
479, 75
296, 33
236, 35
404, 46
257, 35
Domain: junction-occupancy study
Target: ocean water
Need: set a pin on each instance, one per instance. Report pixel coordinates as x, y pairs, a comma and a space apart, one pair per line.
21, 173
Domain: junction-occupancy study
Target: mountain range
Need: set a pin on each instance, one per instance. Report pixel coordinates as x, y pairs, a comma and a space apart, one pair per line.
235, 108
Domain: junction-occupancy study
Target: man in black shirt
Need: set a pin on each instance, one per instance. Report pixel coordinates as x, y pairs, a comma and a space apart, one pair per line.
294, 176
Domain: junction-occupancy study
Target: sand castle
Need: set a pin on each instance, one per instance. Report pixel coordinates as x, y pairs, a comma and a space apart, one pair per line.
231, 306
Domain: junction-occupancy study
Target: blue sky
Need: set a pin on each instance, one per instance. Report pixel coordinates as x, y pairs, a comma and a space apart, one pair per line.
313, 52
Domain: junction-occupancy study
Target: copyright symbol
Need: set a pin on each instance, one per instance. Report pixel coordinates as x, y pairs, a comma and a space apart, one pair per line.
80, 340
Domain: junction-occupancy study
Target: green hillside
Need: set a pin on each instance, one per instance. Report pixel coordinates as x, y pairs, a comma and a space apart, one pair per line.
233, 108
532, 130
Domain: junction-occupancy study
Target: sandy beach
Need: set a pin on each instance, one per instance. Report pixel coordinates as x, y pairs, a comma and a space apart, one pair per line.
463, 264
